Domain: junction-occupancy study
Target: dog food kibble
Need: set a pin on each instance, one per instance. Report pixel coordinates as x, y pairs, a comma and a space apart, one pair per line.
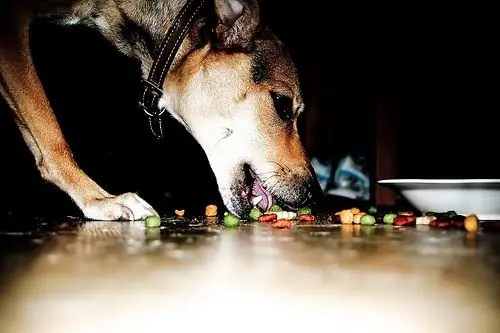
179, 212
304, 211
357, 217
389, 218
346, 216
367, 219
440, 223
268, 218
471, 223
152, 221
282, 224
372, 210
211, 210
425, 220
275, 208
405, 220
254, 214
306, 218
231, 220
284, 215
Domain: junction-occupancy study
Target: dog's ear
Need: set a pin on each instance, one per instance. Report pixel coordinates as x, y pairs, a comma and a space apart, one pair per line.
237, 23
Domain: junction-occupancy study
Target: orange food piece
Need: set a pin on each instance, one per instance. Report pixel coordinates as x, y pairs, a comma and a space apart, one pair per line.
179, 212
268, 218
346, 216
471, 223
282, 224
211, 210
355, 210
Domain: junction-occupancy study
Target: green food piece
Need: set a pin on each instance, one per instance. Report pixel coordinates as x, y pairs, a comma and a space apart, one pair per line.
372, 210
275, 209
451, 214
389, 218
304, 211
429, 214
367, 219
254, 214
153, 221
230, 220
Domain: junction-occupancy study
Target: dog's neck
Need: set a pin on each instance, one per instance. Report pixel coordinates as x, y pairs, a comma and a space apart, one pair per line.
136, 28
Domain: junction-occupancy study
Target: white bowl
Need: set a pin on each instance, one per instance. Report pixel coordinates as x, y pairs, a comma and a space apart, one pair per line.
464, 196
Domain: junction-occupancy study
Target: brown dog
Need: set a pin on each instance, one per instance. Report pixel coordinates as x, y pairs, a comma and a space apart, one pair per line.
231, 84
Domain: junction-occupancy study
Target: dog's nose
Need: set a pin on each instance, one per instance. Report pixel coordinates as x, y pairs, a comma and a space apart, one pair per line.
316, 197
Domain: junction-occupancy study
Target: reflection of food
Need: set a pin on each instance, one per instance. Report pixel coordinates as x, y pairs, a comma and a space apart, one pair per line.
346, 230
367, 230
470, 239
153, 234
282, 224
356, 228
212, 220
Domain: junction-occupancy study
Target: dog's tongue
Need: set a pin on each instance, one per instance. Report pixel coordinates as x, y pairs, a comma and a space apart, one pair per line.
260, 197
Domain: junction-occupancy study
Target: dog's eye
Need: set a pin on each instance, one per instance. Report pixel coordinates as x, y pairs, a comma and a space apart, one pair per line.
283, 105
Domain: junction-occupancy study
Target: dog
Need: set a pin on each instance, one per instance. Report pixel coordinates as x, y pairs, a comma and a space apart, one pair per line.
230, 82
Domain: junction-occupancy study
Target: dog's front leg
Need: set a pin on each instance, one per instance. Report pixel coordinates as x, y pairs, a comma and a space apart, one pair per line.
23, 91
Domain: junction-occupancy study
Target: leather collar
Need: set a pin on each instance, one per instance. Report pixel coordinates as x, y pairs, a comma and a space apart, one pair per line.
152, 86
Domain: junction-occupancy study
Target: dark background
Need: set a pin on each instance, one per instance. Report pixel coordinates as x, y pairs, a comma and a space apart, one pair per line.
437, 63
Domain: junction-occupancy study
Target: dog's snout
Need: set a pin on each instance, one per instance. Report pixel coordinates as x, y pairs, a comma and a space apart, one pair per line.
301, 191
314, 193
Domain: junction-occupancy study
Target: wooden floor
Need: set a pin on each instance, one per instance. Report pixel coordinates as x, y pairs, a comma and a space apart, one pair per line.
119, 277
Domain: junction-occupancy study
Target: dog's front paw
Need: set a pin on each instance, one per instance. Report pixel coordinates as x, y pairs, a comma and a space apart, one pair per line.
128, 206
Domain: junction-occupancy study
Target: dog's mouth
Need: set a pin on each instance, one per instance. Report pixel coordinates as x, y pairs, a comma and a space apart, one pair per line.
257, 194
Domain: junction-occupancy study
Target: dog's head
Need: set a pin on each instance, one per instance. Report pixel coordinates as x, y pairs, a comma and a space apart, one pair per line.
237, 92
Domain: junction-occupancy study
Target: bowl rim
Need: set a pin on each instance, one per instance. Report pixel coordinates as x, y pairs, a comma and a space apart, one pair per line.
438, 181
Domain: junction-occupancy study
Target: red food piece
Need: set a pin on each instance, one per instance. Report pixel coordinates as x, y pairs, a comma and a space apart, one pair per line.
458, 223
282, 224
440, 223
404, 220
306, 218
268, 218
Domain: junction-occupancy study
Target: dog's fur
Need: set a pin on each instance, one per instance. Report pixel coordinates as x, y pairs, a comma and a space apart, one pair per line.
232, 85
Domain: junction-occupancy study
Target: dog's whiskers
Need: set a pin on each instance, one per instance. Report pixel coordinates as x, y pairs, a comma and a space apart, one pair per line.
283, 168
